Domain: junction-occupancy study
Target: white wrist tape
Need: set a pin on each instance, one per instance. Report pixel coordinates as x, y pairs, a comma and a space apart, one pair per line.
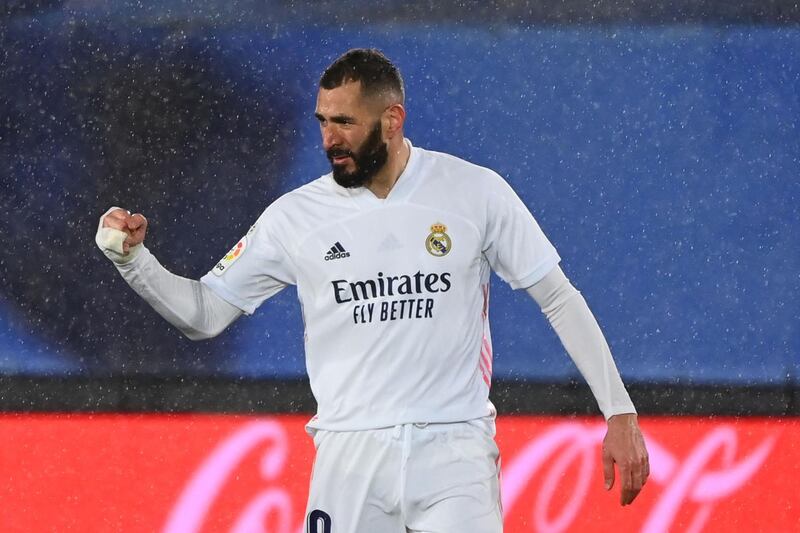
110, 240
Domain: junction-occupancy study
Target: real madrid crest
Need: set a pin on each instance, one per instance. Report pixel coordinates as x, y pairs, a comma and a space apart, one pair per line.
438, 242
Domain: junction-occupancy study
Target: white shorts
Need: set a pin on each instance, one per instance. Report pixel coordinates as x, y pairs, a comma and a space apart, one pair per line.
414, 478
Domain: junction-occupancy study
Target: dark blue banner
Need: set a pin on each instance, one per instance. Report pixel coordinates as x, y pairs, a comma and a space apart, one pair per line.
662, 162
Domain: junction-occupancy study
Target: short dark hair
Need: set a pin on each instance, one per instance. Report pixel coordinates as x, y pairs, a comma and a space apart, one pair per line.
377, 74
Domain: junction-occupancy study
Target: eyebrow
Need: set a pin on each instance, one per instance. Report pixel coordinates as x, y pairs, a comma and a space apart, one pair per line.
338, 119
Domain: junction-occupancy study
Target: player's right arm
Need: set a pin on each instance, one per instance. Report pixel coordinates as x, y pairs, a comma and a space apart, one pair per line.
187, 304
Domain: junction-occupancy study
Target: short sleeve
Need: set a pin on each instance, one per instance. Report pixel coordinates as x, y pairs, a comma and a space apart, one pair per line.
514, 244
256, 268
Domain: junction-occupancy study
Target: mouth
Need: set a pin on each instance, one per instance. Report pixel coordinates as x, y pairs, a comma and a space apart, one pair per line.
340, 160
339, 156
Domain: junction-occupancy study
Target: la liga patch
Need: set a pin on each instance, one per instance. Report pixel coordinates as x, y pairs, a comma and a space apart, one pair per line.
231, 257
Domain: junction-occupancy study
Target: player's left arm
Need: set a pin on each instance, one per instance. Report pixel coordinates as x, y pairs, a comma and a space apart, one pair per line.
575, 325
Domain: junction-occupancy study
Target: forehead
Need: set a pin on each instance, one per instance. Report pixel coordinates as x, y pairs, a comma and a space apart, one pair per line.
346, 99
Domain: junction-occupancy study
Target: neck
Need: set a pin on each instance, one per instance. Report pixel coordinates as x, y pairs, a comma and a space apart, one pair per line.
383, 182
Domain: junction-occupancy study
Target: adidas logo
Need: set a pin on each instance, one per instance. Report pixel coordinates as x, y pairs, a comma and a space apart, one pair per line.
337, 251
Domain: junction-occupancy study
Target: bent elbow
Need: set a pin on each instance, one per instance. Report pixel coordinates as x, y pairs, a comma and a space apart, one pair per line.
201, 334
197, 335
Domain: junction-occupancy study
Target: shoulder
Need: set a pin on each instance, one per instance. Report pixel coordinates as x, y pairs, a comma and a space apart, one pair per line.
317, 193
319, 190
297, 211
452, 171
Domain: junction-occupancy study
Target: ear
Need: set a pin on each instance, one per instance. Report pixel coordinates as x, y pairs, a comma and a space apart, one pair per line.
393, 119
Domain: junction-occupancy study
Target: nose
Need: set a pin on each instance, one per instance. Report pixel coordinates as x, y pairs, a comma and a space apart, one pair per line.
330, 137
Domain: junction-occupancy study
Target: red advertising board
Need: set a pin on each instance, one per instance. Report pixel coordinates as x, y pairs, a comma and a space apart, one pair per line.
209, 473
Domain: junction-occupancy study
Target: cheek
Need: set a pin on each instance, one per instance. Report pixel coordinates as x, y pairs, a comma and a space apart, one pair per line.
354, 143
341, 139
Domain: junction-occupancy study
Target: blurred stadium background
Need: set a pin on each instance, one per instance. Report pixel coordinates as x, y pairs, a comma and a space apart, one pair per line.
657, 143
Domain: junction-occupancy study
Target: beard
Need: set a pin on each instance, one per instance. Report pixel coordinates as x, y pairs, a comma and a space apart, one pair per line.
368, 160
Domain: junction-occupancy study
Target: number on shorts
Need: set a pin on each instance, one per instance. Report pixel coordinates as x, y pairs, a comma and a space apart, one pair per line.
319, 522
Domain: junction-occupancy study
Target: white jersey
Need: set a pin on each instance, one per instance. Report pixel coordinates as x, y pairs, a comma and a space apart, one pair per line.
394, 291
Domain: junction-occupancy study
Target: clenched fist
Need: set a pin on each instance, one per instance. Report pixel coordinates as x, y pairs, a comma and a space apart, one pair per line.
119, 234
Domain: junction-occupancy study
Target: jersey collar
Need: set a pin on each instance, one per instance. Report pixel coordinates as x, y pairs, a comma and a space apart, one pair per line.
403, 187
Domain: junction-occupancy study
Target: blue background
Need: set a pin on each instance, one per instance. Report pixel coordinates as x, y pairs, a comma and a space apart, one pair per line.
662, 162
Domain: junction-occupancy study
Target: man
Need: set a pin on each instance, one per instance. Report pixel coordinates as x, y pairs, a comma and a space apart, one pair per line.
391, 255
